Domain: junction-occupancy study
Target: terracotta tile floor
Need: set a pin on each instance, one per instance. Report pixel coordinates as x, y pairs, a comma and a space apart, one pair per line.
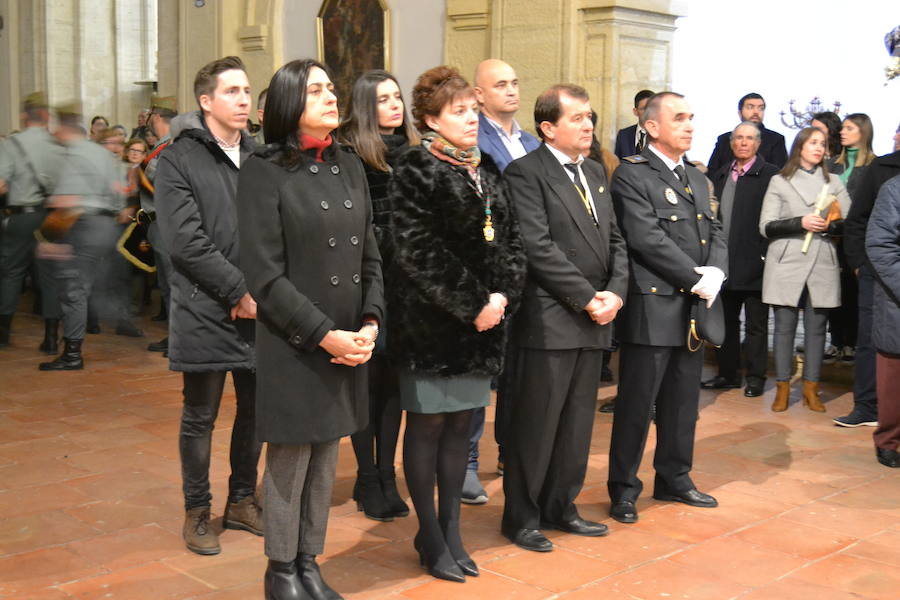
90, 504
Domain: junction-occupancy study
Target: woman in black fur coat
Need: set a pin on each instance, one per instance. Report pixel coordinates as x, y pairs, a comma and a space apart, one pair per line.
458, 269
379, 130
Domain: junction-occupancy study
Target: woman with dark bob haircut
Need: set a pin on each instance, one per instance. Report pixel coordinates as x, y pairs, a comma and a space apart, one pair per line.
310, 259
458, 268
378, 129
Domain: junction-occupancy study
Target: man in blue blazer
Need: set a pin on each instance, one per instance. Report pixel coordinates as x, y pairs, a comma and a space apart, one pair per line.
499, 134
629, 140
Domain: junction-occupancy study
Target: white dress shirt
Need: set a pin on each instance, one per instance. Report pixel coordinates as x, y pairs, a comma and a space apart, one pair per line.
565, 160
513, 143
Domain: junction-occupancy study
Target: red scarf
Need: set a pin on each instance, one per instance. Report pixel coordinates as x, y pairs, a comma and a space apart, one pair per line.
308, 142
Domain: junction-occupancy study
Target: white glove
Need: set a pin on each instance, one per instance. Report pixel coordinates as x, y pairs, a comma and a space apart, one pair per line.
711, 279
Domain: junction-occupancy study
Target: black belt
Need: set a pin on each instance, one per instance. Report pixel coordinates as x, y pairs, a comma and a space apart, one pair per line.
21, 210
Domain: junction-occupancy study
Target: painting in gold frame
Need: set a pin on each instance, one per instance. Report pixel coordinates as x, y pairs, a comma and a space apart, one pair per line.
353, 36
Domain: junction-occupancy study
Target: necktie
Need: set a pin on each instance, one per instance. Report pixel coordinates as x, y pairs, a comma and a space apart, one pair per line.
642, 141
679, 171
573, 168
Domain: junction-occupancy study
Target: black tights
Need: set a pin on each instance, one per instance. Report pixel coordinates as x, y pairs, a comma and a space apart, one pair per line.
436, 447
376, 445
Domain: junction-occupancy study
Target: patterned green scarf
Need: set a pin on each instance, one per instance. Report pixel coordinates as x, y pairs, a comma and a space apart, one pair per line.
446, 151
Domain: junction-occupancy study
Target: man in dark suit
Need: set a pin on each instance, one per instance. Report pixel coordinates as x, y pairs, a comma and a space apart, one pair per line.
632, 140
676, 252
577, 276
499, 134
752, 107
740, 187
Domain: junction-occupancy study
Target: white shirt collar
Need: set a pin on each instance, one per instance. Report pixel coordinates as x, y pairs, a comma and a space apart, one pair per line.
516, 130
563, 158
671, 164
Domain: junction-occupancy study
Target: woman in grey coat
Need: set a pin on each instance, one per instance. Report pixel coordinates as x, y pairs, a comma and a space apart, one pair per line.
793, 279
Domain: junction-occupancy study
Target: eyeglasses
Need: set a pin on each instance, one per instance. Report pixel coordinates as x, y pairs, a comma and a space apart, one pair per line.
137, 151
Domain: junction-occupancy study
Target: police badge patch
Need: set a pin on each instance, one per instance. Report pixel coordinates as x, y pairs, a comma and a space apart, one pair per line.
671, 198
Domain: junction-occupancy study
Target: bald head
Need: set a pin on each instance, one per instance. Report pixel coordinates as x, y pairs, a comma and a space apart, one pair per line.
497, 89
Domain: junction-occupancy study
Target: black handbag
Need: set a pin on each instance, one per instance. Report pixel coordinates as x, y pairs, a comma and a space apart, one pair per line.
707, 324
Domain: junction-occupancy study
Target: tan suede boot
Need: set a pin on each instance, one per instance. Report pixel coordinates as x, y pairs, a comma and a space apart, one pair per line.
198, 535
782, 395
811, 396
245, 514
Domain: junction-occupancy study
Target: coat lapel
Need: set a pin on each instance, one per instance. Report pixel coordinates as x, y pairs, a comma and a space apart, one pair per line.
568, 195
489, 138
666, 174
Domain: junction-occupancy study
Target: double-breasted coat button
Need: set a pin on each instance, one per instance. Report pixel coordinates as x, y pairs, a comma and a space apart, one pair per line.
673, 218
699, 216
354, 240
348, 203
335, 280
356, 278
332, 242
335, 169
314, 169
296, 340
653, 290
324, 204
703, 242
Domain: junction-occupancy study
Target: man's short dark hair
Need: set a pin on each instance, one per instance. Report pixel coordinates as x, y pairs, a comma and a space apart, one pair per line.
548, 108
750, 96
208, 77
651, 111
641, 95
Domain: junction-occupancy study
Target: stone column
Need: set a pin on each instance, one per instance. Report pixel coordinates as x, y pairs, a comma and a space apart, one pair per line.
611, 47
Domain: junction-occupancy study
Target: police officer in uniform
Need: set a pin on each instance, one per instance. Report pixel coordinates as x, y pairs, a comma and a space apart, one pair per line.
676, 253
162, 111
28, 163
90, 183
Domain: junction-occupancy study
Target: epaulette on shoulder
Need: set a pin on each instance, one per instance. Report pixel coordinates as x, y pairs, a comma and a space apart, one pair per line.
635, 160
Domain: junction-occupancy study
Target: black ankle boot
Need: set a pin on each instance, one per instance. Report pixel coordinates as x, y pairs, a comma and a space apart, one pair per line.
369, 497
396, 505
5, 321
162, 315
311, 577
69, 360
282, 582
50, 345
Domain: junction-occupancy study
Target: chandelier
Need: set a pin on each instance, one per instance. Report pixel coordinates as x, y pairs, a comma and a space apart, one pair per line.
798, 119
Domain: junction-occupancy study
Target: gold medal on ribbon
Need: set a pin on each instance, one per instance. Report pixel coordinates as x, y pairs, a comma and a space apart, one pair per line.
488, 230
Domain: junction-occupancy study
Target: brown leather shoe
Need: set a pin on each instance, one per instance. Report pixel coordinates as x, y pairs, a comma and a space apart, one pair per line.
811, 396
245, 514
782, 395
198, 535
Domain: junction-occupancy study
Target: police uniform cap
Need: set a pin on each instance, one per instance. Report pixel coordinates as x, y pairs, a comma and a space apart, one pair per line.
164, 105
69, 113
34, 101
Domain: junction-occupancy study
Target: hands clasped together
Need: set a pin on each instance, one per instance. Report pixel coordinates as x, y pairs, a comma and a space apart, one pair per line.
603, 307
350, 348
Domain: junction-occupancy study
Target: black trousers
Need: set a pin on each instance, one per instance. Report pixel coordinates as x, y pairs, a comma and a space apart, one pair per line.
865, 398
670, 377
755, 345
202, 395
546, 446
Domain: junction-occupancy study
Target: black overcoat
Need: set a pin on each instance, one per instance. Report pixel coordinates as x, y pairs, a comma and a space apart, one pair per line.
312, 264
444, 271
195, 206
746, 247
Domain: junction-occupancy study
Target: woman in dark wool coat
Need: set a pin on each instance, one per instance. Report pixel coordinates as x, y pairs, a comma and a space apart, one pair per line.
311, 261
457, 270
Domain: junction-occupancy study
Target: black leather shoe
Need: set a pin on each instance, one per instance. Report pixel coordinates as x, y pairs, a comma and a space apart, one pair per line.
160, 346
529, 539
608, 408
624, 511
128, 329
720, 383
754, 389
282, 582
579, 526
691, 497
162, 315
311, 578
889, 458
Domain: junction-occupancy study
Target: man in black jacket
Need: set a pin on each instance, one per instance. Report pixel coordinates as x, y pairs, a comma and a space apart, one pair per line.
211, 323
677, 253
740, 187
577, 276
752, 107
865, 401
